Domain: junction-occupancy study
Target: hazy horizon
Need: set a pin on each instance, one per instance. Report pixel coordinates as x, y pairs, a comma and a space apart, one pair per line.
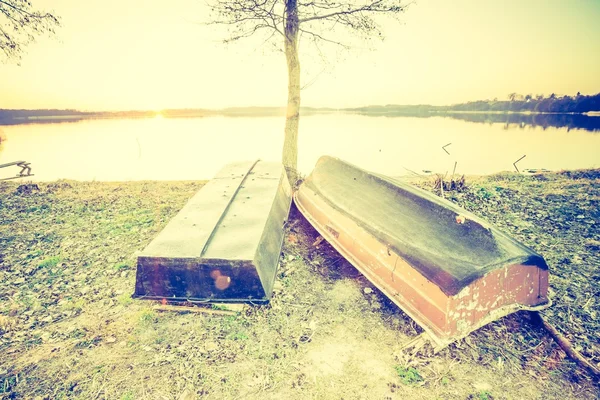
272, 106
141, 55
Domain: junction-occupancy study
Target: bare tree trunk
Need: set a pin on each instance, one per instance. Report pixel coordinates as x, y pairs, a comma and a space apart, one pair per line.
290, 142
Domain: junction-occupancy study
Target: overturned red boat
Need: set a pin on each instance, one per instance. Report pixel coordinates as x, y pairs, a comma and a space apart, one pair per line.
447, 269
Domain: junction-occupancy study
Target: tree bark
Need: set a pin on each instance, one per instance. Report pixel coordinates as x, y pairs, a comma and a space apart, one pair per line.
290, 142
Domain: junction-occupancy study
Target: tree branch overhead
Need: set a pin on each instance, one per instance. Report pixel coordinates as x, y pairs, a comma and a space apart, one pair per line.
20, 24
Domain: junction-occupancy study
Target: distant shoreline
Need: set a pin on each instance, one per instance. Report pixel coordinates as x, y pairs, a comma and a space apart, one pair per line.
6, 117
589, 121
576, 112
518, 105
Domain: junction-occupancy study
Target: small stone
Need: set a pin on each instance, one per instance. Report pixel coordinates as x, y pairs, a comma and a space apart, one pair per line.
368, 290
210, 346
482, 386
290, 271
186, 395
124, 274
147, 348
111, 339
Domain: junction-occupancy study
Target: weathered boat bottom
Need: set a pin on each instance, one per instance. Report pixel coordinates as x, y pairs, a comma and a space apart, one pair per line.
445, 315
224, 245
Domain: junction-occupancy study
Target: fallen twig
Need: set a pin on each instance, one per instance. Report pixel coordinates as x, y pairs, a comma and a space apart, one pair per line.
564, 343
515, 163
186, 309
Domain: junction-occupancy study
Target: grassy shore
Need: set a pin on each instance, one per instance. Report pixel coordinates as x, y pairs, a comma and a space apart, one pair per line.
69, 328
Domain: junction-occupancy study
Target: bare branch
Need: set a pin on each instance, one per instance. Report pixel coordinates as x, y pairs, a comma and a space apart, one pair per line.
18, 9
377, 6
317, 19
247, 33
20, 25
319, 37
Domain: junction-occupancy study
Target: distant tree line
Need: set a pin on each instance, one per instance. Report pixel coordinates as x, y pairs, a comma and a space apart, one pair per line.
14, 117
21, 116
516, 103
517, 120
539, 103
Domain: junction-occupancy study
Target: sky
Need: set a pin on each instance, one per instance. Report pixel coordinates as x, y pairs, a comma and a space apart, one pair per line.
147, 55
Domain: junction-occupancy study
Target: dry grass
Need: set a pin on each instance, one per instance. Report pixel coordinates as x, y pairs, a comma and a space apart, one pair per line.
69, 329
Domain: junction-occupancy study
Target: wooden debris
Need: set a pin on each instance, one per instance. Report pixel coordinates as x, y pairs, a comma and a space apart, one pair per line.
318, 241
188, 309
565, 344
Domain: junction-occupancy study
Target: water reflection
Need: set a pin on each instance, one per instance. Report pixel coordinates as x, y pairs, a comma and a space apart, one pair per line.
510, 121
196, 148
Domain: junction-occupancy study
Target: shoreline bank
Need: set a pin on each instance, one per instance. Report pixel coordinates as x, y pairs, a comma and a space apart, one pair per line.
69, 328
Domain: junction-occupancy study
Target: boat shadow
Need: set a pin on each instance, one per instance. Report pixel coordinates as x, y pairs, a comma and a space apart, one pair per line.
511, 337
329, 265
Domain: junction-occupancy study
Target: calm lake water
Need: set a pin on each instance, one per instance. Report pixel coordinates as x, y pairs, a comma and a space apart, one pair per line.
196, 148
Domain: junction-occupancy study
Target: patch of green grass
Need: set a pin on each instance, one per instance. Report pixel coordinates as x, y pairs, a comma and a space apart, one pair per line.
127, 396
408, 376
74, 305
49, 262
484, 395
508, 176
77, 333
237, 336
229, 320
48, 267
122, 266
43, 207
124, 300
87, 343
99, 369
34, 254
6, 383
148, 317
286, 282
483, 193
29, 343
29, 302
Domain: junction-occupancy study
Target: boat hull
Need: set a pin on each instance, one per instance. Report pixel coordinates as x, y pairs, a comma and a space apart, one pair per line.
447, 308
224, 245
